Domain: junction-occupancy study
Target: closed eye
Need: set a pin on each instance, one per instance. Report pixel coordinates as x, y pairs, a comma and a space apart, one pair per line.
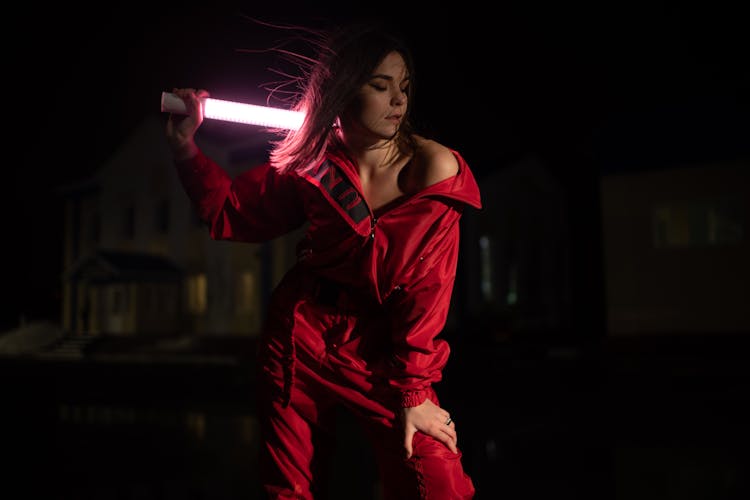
377, 83
380, 88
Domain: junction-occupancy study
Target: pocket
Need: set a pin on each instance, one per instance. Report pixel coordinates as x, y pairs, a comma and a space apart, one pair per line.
425, 446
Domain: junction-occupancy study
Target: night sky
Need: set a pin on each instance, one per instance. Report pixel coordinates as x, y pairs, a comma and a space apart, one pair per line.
628, 85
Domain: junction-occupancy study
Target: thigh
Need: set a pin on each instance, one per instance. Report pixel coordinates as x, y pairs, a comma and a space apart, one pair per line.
433, 472
296, 443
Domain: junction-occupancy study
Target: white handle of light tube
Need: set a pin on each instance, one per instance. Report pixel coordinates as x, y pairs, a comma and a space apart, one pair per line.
171, 103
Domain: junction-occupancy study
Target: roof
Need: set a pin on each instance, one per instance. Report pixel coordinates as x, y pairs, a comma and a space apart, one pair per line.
121, 266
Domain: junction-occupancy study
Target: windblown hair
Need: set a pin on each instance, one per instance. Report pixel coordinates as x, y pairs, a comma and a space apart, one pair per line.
343, 62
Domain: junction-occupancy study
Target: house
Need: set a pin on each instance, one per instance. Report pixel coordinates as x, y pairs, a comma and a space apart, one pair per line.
676, 249
515, 256
673, 241
137, 260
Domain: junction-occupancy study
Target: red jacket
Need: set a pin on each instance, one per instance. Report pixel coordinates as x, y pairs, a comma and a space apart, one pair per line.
400, 260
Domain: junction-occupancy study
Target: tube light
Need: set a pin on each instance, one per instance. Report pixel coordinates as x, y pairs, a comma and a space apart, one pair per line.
237, 112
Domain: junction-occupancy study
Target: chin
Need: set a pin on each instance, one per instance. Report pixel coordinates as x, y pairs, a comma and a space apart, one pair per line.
389, 133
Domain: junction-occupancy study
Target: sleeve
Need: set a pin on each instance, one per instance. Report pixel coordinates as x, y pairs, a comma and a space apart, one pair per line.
258, 205
419, 312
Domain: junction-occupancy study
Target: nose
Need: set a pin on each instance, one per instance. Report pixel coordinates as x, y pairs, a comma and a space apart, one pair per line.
398, 97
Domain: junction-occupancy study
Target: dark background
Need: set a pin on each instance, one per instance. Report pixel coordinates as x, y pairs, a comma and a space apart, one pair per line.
624, 85
596, 88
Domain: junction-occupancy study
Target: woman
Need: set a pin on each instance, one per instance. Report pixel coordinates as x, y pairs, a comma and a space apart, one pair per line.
356, 321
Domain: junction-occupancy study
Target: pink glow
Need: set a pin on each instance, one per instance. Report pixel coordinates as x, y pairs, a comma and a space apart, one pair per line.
237, 112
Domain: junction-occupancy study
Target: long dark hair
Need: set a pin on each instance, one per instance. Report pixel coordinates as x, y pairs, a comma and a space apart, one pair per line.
343, 63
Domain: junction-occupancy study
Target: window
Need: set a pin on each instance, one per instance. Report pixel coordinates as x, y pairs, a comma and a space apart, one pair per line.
246, 292
197, 294
512, 297
698, 223
485, 269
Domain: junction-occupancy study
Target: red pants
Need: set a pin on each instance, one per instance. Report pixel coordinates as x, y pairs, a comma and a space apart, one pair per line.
295, 434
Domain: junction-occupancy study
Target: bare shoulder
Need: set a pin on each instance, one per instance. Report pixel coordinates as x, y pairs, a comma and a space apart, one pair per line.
433, 163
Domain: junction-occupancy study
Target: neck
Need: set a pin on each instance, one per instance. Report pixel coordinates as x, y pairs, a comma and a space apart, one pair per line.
372, 155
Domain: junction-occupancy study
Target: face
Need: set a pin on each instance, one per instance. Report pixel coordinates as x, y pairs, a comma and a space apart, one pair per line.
379, 108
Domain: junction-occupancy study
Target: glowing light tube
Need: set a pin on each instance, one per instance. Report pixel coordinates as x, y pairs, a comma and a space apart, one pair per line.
237, 112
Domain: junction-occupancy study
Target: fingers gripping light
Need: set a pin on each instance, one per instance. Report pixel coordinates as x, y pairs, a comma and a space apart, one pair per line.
237, 112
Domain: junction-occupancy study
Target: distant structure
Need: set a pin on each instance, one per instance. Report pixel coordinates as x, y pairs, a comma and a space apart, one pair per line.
137, 260
676, 249
517, 268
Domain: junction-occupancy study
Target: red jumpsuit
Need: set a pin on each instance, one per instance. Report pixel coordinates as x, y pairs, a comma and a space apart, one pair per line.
355, 321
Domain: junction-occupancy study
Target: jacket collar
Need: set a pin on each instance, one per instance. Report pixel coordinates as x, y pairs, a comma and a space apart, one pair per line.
462, 187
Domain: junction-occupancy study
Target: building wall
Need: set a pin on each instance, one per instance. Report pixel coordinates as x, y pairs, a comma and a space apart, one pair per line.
676, 250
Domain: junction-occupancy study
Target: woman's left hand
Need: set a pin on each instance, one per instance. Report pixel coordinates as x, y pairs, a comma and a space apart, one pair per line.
432, 420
